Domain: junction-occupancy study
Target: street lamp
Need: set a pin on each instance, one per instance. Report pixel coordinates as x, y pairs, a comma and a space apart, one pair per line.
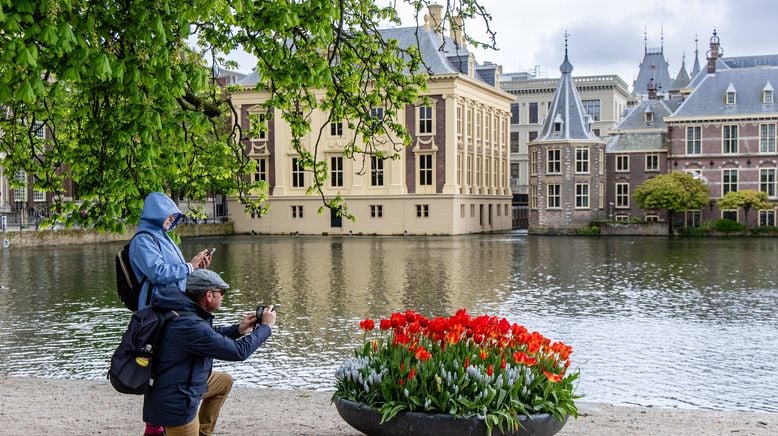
610, 211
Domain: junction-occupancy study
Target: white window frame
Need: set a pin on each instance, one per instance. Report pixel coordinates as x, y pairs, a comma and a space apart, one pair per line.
377, 171
582, 160
554, 161
731, 98
425, 120
582, 196
729, 139
20, 194
693, 141
767, 138
767, 217
336, 172
768, 96
622, 163
553, 196
376, 211
260, 174
533, 197
652, 162
422, 211
727, 184
298, 173
336, 129
260, 120
767, 181
622, 195
425, 169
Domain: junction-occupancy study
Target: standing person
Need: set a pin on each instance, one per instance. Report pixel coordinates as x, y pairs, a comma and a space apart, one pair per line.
185, 354
156, 257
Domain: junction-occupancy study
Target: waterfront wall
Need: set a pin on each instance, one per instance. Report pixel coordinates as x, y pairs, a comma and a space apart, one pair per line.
30, 238
633, 229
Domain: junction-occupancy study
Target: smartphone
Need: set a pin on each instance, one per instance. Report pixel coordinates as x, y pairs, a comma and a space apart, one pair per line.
210, 252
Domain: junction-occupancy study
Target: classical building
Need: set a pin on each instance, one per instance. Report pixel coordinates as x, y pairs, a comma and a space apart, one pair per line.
566, 164
452, 179
604, 99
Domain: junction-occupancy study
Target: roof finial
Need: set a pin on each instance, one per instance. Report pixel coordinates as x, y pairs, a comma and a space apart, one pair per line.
662, 38
645, 39
566, 66
696, 45
566, 35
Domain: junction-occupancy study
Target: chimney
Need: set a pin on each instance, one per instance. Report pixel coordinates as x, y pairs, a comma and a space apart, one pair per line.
435, 17
652, 91
457, 25
714, 53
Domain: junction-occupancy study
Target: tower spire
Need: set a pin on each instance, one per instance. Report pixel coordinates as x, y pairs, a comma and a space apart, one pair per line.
566, 67
645, 39
662, 38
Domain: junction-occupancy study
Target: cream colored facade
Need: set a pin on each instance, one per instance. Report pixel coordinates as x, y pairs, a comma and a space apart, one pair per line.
608, 93
464, 158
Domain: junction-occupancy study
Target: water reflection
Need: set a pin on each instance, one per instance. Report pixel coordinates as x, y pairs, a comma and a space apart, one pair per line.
646, 316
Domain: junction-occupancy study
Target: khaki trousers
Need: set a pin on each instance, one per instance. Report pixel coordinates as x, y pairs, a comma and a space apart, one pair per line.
219, 386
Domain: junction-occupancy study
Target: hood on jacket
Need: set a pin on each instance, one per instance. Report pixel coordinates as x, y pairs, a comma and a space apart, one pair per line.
157, 207
171, 298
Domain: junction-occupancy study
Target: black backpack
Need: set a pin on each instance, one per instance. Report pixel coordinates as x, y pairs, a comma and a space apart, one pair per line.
132, 364
127, 285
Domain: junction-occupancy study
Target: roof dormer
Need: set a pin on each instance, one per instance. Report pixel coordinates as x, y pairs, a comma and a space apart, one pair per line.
648, 115
767, 94
558, 121
730, 96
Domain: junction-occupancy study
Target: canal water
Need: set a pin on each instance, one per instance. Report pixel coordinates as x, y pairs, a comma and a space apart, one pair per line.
685, 323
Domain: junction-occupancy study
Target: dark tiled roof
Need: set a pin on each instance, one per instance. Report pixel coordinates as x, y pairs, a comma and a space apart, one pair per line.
636, 118
653, 66
652, 141
708, 98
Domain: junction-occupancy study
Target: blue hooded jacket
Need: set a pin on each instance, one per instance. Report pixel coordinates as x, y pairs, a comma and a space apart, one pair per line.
162, 264
185, 352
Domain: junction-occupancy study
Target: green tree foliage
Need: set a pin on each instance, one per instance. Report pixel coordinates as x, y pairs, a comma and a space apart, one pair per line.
746, 199
130, 108
673, 192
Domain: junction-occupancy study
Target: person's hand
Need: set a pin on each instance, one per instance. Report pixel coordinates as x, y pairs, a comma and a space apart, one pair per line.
269, 317
201, 260
246, 325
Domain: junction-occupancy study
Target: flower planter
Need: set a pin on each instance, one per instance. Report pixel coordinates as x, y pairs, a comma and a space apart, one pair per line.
367, 420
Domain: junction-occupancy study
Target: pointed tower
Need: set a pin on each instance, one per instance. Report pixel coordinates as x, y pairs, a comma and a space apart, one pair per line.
654, 66
696, 67
682, 79
567, 164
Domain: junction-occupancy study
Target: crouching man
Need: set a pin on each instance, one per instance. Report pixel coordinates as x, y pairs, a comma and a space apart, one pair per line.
185, 352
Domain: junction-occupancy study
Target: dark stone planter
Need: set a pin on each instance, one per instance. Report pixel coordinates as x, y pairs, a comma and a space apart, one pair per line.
366, 420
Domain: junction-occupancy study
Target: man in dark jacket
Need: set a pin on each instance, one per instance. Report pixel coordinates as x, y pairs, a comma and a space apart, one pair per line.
186, 351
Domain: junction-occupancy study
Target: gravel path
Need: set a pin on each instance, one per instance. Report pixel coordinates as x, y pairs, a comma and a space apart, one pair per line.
30, 406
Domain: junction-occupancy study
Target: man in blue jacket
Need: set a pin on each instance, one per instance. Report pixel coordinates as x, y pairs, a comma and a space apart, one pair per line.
154, 255
186, 350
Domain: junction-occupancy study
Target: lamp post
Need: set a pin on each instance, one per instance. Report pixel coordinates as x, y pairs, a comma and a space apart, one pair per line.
610, 211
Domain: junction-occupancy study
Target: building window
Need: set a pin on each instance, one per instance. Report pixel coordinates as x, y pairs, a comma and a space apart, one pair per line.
377, 113
622, 163
554, 198
469, 123
533, 163
469, 170
649, 117
692, 218
652, 162
376, 171
622, 195
425, 120
459, 169
730, 99
461, 210
258, 126
39, 130
336, 171
505, 210
533, 196
601, 195
459, 121
261, 173
514, 113
38, 196
694, 140
652, 218
767, 181
728, 181
514, 142
767, 138
767, 96
472, 210
532, 135
425, 169
336, 128
422, 211
533, 113
376, 211
592, 107
298, 174
20, 193
479, 123
297, 211
582, 160
729, 139
601, 163
622, 218
581, 195
478, 180
596, 132
767, 217
554, 161
729, 215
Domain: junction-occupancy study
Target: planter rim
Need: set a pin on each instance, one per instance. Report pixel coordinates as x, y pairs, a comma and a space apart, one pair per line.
366, 406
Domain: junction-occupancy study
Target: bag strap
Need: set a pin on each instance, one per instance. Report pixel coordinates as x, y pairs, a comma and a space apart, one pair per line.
165, 317
144, 279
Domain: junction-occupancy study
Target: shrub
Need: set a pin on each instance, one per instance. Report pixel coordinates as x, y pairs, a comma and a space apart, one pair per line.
587, 231
692, 232
726, 225
761, 230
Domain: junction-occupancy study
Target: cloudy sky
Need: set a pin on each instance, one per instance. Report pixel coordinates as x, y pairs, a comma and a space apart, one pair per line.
607, 36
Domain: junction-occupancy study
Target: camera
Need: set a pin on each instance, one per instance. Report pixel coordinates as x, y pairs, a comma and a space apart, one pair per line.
261, 310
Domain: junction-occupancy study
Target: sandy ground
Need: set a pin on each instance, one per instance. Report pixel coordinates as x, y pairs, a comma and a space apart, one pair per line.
30, 406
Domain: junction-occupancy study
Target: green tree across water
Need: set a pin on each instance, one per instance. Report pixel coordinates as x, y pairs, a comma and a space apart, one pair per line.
130, 108
673, 192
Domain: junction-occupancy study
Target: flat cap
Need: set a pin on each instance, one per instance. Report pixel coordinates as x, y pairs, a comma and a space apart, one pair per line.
203, 280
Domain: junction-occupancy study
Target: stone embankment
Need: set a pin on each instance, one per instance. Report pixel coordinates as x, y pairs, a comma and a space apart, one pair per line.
31, 238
